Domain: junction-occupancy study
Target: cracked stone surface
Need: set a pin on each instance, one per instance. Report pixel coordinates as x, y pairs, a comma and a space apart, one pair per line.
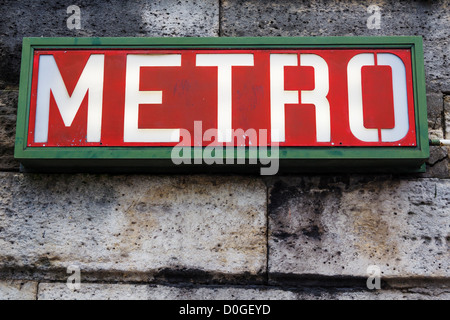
438, 163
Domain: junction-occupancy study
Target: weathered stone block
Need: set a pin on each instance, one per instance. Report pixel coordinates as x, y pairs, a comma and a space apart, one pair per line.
90, 291
8, 102
114, 18
57, 291
8, 110
428, 19
324, 226
18, 290
147, 225
437, 164
435, 107
447, 116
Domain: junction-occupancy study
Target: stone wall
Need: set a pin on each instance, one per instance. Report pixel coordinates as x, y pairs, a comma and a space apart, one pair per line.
226, 236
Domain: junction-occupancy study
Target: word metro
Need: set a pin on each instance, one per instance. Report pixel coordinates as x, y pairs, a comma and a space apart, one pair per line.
147, 97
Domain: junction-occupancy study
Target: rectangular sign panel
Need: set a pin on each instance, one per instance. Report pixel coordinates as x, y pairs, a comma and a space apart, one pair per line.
326, 103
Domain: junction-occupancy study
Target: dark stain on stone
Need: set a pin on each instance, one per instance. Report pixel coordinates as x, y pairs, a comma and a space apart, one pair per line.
426, 239
313, 232
281, 194
177, 275
43, 261
305, 281
282, 235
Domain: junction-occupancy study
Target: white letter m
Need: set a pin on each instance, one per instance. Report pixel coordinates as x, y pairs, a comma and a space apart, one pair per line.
90, 81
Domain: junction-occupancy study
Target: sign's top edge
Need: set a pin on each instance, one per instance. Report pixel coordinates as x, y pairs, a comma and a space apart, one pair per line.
180, 41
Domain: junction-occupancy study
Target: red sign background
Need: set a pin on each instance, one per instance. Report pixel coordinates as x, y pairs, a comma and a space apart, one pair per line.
190, 94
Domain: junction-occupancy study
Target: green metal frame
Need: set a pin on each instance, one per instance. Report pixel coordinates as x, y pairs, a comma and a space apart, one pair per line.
384, 159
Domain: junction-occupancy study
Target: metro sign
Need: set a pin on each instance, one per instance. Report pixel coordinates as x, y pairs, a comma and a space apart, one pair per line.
334, 103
